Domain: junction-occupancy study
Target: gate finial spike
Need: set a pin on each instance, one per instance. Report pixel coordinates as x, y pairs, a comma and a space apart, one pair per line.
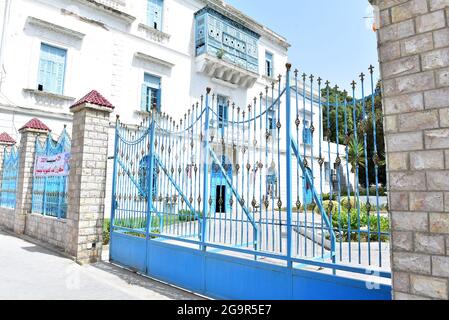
327, 83
353, 84
319, 80
311, 77
362, 76
288, 66
208, 90
304, 76
296, 73
371, 69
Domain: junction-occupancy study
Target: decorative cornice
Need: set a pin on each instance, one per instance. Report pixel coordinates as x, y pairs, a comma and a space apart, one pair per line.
54, 27
148, 58
48, 94
154, 34
110, 10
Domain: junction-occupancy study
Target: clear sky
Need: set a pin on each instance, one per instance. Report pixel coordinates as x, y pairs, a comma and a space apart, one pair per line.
329, 38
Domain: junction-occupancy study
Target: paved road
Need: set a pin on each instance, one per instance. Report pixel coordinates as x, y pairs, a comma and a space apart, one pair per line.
28, 271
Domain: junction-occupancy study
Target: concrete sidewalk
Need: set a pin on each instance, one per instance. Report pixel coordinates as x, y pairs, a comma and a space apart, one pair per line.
28, 271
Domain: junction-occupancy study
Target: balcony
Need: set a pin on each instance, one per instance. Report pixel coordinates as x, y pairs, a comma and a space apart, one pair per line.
225, 49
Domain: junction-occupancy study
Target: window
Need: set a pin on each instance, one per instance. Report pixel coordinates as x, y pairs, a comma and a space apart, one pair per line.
327, 172
271, 120
272, 187
268, 64
51, 69
222, 112
151, 93
307, 133
154, 14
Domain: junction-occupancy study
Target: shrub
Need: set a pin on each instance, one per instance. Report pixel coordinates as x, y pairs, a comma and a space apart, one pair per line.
106, 231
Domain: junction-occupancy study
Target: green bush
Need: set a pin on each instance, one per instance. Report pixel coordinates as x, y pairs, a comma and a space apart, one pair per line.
106, 231
344, 220
188, 216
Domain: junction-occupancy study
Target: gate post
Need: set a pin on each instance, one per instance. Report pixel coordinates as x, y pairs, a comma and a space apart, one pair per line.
205, 171
24, 191
288, 156
87, 178
413, 42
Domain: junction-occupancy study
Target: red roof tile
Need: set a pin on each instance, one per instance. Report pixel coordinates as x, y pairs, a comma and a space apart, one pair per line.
6, 138
35, 124
95, 98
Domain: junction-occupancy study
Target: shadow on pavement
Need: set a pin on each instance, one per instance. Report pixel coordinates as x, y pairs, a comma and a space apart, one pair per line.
146, 283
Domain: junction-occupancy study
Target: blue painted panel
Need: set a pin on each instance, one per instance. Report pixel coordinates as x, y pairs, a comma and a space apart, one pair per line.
309, 285
128, 251
225, 277
244, 280
181, 266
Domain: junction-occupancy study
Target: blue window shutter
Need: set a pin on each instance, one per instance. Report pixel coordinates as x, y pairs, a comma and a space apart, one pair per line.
144, 98
52, 68
154, 13
152, 81
159, 99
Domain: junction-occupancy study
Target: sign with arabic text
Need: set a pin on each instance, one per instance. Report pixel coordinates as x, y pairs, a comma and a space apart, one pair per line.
52, 166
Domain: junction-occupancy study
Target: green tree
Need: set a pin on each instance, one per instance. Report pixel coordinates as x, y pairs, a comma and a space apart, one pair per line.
365, 122
356, 156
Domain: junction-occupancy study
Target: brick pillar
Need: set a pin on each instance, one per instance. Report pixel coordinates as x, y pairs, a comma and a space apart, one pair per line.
27, 148
87, 180
413, 44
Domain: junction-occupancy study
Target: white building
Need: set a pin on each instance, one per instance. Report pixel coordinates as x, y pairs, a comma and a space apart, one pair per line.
135, 53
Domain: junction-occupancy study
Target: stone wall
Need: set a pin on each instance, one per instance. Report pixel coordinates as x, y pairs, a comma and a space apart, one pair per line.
413, 42
7, 218
80, 234
47, 229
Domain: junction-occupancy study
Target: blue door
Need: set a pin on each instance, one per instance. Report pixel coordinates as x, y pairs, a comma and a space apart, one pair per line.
220, 191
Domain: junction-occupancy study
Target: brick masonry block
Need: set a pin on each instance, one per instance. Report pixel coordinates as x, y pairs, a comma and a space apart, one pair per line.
426, 201
429, 286
439, 222
410, 221
431, 21
429, 243
423, 160
411, 262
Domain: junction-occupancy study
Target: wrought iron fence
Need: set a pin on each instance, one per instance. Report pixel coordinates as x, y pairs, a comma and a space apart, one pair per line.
50, 188
9, 178
257, 181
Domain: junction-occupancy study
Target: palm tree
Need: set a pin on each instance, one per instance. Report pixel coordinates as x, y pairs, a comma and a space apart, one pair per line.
356, 156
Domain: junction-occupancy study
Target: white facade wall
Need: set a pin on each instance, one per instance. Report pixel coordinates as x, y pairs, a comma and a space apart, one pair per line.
108, 46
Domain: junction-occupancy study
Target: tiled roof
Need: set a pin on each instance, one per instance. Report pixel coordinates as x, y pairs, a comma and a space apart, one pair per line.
95, 98
6, 138
35, 124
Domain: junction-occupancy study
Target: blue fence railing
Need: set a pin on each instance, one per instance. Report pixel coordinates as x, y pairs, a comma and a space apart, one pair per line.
50, 188
9, 178
247, 180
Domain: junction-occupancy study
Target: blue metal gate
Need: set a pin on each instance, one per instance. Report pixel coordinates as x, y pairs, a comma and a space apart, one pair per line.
220, 203
9, 177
